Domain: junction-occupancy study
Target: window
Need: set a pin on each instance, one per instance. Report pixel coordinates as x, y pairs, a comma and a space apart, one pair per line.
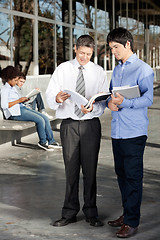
89, 14
5, 4
47, 8
5, 40
45, 47
47, 34
26, 6
78, 13
62, 44
23, 43
62, 10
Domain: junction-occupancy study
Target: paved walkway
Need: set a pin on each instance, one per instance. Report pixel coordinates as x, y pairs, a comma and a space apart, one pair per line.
32, 186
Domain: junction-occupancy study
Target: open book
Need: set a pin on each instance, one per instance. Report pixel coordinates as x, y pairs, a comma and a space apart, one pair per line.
33, 93
80, 100
127, 91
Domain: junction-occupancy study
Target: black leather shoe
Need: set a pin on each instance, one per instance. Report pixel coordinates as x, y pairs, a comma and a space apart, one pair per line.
64, 221
94, 221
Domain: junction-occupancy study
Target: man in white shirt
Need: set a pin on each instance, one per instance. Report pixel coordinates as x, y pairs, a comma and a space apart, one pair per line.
80, 135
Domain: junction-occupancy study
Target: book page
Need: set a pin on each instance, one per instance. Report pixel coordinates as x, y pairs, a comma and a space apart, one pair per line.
33, 93
98, 97
76, 97
80, 100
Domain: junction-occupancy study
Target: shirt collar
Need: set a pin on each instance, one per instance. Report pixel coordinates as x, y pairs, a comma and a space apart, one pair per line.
8, 85
131, 59
77, 65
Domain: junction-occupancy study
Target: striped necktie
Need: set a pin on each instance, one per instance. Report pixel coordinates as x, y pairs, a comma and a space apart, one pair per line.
80, 88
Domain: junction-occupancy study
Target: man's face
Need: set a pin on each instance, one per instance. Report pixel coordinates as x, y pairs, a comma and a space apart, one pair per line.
83, 54
120, 52
20, 82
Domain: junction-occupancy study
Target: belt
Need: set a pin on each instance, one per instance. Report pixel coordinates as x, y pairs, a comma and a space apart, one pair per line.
83, 120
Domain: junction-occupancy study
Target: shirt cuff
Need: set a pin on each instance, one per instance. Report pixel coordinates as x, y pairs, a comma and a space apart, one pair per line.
126, 103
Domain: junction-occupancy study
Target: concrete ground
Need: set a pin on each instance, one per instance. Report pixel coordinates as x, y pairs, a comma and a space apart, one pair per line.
32, 184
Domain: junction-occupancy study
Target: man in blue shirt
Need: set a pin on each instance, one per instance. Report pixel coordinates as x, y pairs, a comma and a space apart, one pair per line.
129, 127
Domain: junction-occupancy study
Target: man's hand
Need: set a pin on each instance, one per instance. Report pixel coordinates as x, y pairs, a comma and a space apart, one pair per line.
86, 110
112, 106
118, 99
61, 97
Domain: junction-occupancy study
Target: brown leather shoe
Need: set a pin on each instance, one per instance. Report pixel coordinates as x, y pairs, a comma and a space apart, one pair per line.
116, 223
126, 231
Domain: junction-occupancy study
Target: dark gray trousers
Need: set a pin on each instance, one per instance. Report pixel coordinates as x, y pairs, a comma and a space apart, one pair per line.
81, 143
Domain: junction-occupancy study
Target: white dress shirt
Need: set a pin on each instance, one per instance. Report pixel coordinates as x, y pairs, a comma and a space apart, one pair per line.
65, 77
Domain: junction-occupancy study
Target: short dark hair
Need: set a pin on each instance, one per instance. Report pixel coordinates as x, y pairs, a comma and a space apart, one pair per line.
85, 41
120, 35
9, 73
22, 75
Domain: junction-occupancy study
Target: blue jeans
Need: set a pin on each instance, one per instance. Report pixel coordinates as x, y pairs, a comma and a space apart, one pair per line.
42, 124
38, 101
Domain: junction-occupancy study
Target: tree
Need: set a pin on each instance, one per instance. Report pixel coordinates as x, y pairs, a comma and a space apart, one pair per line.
23, 34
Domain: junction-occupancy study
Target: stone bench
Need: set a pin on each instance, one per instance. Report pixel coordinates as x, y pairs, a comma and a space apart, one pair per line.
12, 131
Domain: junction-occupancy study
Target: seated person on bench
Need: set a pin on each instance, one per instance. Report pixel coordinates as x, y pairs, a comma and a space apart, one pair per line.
13, 107
34, 102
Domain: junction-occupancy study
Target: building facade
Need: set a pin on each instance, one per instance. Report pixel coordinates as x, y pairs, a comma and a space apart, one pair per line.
37, 35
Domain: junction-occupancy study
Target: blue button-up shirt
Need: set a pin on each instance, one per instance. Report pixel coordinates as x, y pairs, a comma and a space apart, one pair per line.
131, 120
